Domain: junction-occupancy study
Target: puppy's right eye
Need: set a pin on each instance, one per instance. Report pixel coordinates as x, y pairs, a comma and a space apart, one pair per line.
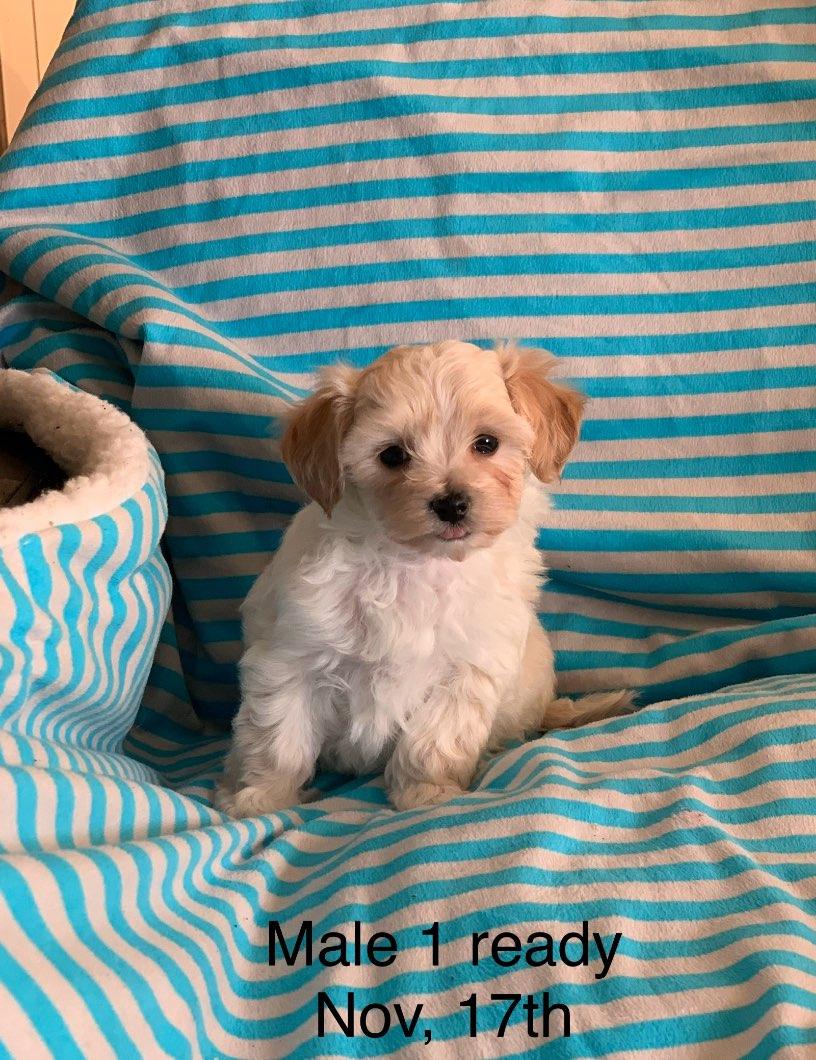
394, 456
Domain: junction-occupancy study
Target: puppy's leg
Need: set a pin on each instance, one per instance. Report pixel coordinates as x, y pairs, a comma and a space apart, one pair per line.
440, 746
277, 735
532, 706
522, 707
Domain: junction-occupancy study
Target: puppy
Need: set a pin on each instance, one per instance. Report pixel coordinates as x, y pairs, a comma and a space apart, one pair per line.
396, 626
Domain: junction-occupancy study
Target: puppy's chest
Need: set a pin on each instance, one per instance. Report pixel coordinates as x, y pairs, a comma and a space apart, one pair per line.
420, 619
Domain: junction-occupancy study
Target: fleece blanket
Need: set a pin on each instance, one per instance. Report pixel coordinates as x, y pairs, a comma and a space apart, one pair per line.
205, 202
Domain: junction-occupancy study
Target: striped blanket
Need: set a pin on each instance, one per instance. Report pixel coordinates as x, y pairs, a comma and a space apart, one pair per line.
206, 201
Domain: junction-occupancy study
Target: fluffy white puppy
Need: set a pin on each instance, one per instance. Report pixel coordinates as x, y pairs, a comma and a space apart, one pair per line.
396, 626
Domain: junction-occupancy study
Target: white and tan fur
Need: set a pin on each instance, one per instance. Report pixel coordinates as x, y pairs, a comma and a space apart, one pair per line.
379, 637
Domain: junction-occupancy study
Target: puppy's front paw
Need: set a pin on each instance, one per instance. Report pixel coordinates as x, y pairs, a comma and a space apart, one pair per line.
254, 800
416, 794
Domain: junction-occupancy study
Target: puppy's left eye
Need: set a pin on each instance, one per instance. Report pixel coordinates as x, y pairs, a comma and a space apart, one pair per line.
394, 456
486, 444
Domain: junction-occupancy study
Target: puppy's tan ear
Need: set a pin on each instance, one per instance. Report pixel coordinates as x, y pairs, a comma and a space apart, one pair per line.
551, 409
316, 428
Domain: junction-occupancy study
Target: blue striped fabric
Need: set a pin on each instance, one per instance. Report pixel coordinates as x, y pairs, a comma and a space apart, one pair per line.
207, 201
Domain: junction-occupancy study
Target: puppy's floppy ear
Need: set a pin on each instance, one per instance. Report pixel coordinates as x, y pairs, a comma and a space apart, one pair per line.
551, 409
316, 428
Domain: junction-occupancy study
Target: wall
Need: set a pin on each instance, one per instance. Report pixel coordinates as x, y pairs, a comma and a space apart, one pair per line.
30, 31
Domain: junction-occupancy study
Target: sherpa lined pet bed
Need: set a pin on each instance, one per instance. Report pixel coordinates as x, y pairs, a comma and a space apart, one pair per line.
84, 590
204, 203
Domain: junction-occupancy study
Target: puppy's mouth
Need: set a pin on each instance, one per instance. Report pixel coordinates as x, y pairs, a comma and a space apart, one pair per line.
454, 532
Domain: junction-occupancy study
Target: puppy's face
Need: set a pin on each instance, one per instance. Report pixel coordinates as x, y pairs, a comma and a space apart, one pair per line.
435, 439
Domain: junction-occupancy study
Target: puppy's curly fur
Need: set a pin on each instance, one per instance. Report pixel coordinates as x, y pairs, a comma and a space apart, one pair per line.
396, 628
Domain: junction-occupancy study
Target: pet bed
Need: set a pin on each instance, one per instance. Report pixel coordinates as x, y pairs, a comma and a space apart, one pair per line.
204, 203
84, 588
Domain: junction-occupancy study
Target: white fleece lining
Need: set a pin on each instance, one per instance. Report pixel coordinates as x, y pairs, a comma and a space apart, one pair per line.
104, 453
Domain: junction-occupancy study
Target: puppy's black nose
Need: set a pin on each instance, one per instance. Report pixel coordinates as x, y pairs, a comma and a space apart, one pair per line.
450, 507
